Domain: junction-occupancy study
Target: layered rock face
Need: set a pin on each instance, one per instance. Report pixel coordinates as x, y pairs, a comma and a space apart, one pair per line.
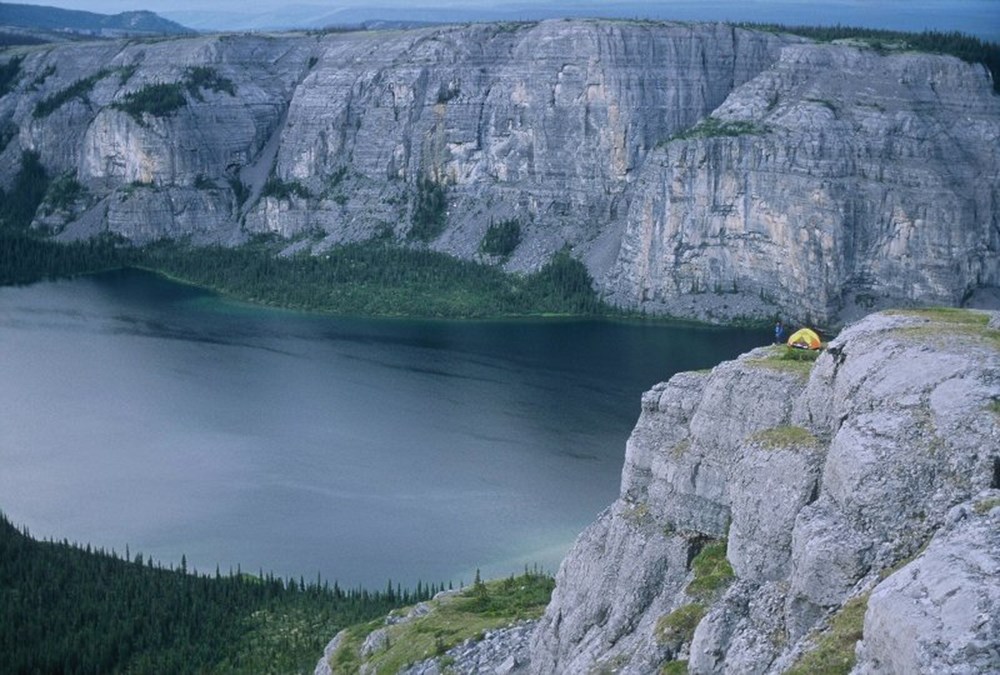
826, 176
819, 184
868, 482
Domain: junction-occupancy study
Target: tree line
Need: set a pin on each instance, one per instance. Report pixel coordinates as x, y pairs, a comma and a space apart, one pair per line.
71, 609
370, 278
966, 47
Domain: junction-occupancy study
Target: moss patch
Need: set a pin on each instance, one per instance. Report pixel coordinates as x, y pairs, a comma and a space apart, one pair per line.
637, 514
834, 651
674, 668
712, 572
986, 505
681, 448
785, 437
678, 627
482, 607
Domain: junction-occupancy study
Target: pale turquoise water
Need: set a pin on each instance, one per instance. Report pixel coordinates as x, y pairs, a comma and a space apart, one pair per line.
141, 412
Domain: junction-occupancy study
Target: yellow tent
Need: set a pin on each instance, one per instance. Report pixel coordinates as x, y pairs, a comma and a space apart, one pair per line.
804, 338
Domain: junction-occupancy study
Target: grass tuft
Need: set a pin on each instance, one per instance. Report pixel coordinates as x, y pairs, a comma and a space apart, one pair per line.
678, 627
482, 607
834, 651
785, 437
986, 505
788, 360
947, 324
712, 571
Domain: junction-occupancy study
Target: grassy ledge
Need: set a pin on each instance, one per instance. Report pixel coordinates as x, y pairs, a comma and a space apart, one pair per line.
788, 360
948, 324
452, 619
834, 651
712, 571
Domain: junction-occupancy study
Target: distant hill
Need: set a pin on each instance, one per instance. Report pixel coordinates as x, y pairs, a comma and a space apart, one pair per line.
38, 23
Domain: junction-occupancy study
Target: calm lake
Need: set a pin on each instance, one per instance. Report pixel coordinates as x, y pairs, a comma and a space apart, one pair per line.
145, 413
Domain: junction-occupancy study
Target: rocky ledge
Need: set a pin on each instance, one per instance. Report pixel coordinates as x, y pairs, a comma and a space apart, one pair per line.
856, 499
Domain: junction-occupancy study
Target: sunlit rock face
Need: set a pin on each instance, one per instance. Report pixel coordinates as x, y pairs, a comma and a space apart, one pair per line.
871, 477
700, 170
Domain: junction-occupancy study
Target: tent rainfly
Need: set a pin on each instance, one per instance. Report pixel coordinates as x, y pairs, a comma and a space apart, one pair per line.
804, 338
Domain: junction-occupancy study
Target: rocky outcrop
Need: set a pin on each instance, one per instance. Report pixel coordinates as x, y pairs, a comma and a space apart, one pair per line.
701, 170
871, 476
948, 599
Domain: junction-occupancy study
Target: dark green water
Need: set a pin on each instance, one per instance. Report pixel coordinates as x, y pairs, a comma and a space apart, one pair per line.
142, 412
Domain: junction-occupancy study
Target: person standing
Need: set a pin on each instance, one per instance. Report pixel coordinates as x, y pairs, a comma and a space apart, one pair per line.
779, 333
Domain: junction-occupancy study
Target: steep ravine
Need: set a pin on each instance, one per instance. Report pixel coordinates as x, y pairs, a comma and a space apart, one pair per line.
772, 512
701, 170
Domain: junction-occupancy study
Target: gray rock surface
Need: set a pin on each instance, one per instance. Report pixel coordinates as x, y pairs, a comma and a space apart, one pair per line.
825, 478
948, 600
857, 179
501, 652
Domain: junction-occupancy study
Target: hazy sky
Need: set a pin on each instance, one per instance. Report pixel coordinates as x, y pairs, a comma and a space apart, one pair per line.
980, 17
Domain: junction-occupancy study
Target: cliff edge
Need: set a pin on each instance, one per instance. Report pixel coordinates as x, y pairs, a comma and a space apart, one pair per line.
776, 515
700, 170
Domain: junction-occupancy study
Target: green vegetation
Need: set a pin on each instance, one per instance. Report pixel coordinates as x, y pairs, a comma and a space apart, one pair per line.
203, 77
430, 213
10, 73
158, 100
62, 193
951, 315
8, 131
73, 610
946, 324
25, 258
18, 206
984, 506
202, 182
501, 238
240, 191
678, 627
279, 189
681, 447
712, 572
446, 92
674, 668
712, 127
788, 359
39, 80
125, 73
834, 651
371, 278
375, 278
637, 514
482, 607
994, 406
785, 437
165, 98
78, 89
965, 47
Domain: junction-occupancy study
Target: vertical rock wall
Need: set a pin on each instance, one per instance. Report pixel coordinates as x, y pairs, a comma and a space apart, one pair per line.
826, 481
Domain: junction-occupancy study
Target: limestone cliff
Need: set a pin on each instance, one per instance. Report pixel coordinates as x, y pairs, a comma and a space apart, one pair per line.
697, 169
862, 488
